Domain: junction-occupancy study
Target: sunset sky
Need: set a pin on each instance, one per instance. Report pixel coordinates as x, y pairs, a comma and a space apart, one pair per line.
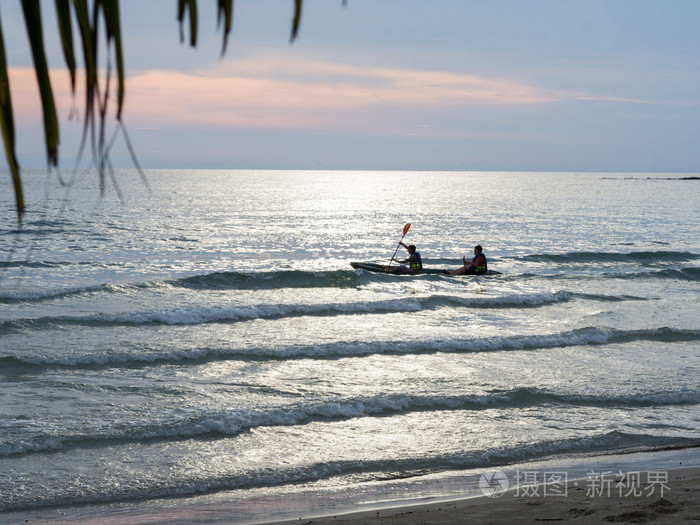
541, 85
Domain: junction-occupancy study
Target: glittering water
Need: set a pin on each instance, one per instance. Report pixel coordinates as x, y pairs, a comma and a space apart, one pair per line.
210, 337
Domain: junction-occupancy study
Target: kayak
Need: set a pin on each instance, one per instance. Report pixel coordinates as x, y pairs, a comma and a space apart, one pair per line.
382, 268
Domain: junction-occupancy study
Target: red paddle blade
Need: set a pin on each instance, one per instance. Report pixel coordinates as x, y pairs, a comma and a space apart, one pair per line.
406, 228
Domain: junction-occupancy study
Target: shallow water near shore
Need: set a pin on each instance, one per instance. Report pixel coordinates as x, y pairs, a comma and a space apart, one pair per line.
599, 476
210, 337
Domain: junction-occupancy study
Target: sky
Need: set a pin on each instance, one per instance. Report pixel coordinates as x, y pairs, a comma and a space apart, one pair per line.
458, 85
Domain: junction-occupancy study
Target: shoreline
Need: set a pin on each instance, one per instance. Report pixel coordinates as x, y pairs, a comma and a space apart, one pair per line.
450, 497
627, 500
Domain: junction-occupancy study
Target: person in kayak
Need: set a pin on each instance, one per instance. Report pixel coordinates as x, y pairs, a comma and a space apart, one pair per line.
415, 263
476, 266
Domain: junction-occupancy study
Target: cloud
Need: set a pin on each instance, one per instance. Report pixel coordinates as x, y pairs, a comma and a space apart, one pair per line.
271, 92
312, 94
616, 100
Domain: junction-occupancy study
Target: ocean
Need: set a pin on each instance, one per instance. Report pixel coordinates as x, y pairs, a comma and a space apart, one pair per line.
199, 340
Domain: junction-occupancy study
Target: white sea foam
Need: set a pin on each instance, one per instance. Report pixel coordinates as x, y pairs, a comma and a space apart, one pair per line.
179, 423
198, 315
579, 337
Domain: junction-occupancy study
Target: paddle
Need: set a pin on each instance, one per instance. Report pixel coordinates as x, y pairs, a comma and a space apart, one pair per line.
406, 227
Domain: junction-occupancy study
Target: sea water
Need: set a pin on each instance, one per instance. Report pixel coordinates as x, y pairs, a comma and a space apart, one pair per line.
201, 334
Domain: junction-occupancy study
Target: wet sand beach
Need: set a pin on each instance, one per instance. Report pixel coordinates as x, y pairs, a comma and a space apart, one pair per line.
643, 502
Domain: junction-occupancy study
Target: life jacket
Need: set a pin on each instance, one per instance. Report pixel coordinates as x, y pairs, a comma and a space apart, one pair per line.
417, 265
481, 268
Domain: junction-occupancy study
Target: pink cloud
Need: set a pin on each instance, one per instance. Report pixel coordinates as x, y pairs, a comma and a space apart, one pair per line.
278, 93
252, 95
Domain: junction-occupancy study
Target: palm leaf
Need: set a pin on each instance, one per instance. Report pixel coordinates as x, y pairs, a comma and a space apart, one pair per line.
225, 13
111, 12
296, 20
32, 18
183, 6
83, 17
89, 56
193, 22
8, 128
66, 30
